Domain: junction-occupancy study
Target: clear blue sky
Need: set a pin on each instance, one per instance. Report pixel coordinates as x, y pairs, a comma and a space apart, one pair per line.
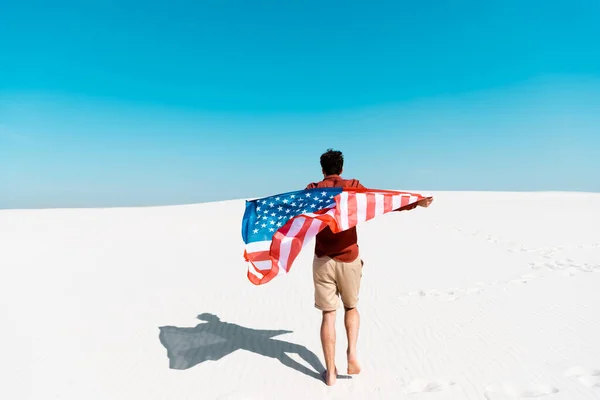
118, 103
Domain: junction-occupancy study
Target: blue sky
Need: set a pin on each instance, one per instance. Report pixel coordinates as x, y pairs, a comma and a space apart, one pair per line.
119, 103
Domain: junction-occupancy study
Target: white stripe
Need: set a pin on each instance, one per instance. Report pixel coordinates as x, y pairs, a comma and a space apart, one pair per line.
286, 244
263, 265
330, 207
263, 245
330, 212
379, 203
361, 207
313, 229
313, 215
396, 201
281, 270
344, 210
254, 272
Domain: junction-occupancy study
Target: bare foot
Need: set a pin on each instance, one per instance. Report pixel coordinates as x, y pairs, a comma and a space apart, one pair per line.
329, 378
353, 367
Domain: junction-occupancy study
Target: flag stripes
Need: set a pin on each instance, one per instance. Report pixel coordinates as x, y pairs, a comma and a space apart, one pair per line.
271, 258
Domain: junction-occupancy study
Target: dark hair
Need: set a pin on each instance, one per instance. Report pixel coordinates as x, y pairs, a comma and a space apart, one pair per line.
332, 162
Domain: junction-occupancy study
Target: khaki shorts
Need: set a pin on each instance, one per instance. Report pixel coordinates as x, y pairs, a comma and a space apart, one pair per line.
334, 278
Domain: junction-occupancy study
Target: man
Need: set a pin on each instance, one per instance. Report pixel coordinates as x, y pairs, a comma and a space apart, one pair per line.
337, 271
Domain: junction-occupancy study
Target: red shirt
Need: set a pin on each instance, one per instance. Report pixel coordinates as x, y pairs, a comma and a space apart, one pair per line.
342, 246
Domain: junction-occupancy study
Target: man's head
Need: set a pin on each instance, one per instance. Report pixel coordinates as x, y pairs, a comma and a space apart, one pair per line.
332, 162
208, 317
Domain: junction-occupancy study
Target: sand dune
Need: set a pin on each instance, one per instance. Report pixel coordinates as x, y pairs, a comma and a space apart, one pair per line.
481, 296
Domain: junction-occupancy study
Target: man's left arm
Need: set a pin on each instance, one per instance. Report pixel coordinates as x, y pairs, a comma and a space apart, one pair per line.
425, 202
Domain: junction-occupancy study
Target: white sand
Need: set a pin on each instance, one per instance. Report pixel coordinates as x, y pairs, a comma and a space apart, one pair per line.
481, 296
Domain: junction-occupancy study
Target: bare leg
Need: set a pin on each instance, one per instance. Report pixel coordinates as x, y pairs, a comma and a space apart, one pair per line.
328, 342
352, 323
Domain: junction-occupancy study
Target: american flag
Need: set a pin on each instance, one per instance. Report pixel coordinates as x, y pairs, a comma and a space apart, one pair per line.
276, 228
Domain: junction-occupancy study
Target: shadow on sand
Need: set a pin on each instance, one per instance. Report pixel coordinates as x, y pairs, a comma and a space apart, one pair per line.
187, 347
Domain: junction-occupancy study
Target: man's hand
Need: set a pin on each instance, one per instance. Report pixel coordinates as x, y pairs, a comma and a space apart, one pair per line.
425, 202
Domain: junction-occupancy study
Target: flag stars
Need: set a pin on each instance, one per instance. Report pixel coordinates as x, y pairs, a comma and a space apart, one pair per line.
272, 213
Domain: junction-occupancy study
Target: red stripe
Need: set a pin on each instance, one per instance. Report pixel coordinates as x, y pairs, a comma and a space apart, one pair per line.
276, 247
253, 278
297, 243
352, 217
404, 200
330, 221
259, 256
286, 228
387, 203
370, 206
338, 212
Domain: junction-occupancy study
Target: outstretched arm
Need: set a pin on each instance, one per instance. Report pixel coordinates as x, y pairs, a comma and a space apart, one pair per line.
426, 202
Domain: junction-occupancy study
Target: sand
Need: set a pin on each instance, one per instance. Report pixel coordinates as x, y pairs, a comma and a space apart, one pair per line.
481, 296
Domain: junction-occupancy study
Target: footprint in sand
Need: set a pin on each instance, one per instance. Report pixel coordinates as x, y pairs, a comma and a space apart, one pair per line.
587, 377
566, 267
450, 294
525, 278
427, 386
475, 290
509, 390
446, 295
